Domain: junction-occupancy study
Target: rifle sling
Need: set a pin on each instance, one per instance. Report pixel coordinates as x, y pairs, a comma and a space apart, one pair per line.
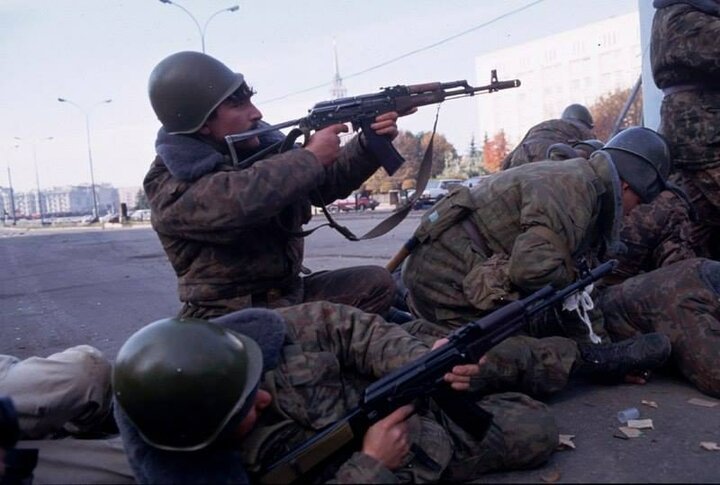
387, 224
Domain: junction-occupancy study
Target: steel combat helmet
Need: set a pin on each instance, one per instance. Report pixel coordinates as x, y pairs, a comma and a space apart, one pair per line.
578, 112
186, 87
642, 159
181, 381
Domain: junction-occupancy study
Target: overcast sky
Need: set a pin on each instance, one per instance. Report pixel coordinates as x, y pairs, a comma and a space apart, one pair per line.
91, 50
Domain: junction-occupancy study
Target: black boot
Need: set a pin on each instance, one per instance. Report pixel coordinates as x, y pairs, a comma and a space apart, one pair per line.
613, 361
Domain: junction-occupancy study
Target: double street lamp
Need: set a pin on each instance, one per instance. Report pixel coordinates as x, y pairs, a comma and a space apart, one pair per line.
96, 215
202, 29
37, 175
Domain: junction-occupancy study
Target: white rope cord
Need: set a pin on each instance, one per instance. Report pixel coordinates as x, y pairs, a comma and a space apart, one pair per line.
581, 302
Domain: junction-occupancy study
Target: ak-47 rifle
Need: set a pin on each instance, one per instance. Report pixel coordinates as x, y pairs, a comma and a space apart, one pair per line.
362, 110
422, 377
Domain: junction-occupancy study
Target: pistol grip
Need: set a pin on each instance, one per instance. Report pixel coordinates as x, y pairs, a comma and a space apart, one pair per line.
381, 146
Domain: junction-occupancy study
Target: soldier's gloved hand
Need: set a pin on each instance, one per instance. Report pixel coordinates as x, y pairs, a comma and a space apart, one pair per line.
461, 375
388, 440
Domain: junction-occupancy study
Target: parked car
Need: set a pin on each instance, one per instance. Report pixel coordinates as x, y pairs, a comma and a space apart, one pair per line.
435, 190
110, 217
353, 203
140, 215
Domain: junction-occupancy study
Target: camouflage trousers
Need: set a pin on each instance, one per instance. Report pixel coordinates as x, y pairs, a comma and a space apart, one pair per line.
690, 121
534, 366
682, 301
703, 189
369, 288
523, 434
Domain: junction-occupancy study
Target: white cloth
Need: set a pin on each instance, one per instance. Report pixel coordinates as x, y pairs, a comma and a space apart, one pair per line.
69, 390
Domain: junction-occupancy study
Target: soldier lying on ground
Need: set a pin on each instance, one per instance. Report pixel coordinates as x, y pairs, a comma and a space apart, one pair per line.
66, 393
64, 409
519, 230
234, 236
660, 286
217, 402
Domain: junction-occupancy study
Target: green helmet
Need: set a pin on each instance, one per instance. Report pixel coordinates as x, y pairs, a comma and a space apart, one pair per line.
181, 381
642, 158
578, 112
585, 148
186, 87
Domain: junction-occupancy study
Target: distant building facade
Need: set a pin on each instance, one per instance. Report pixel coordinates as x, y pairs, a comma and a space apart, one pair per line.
56, 201
575, 66
128, 196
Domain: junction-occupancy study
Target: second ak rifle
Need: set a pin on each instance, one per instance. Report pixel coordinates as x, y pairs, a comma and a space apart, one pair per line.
422, 377
361, 112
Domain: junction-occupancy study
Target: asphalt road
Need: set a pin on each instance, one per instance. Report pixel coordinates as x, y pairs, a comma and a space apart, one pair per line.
98, 286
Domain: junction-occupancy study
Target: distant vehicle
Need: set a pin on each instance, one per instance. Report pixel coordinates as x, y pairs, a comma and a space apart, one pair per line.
435, 190
352, 203
473, 181
140, 215
110, 218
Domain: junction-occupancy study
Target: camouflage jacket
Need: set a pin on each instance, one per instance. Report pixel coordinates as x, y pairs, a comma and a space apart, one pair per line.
534, 221
229, 233
656, 235
331, 353
684, 47
317, 369
685, 54
533, 147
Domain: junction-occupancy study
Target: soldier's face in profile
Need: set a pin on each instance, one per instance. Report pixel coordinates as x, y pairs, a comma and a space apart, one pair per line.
231, 117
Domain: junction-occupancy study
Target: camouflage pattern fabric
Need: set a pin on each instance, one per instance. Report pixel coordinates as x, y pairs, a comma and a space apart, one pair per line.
655, 234
703, 189
689, 121
684, 46
681, 301
451, 282
523, 435
230, 234
533, 147
369, 288
332, 352
520, 363
685, 57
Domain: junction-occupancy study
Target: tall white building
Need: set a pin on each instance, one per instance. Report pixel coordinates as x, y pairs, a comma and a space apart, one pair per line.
575, 66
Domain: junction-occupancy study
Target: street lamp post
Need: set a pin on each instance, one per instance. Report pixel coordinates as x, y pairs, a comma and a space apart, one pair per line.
96, 215
202, 29
37, 176
12, 197
12, 193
